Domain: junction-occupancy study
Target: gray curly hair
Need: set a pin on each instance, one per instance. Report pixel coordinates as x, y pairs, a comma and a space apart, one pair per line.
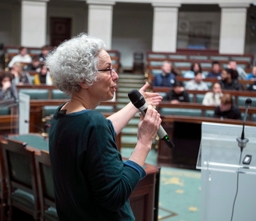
74, 61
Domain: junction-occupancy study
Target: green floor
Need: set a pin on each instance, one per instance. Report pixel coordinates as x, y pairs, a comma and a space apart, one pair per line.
179, 198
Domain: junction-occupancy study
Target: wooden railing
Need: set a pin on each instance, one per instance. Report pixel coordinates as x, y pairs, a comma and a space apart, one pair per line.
234, 93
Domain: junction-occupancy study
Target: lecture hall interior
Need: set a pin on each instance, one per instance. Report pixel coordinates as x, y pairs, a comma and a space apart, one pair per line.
139, 36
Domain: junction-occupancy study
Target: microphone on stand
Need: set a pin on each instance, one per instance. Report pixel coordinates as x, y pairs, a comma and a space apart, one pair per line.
139, 102
242, 141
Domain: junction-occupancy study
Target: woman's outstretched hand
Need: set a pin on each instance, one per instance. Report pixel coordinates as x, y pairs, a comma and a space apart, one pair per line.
151, 98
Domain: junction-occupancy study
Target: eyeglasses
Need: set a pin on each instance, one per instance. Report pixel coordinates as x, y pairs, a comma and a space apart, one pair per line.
110, 70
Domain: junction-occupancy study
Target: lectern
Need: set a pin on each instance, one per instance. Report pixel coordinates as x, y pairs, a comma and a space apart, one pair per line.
228, 175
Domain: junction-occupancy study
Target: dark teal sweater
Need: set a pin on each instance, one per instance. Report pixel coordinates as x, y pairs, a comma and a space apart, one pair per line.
91, 181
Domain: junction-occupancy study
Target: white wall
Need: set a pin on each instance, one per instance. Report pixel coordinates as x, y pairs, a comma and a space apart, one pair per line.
10, 24
132, 25
78, 13
132, 30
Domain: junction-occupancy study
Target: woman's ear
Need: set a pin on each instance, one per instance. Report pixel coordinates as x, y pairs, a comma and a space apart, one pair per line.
84, 85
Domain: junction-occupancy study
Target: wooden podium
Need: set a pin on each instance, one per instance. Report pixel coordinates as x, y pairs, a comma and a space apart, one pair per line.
144, 199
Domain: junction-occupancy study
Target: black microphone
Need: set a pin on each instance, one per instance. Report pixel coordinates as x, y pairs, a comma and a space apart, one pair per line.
139, 102
242, 140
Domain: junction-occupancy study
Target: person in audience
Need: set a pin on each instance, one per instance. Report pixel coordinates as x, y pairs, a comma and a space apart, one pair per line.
177, 94
91, 180
252, 75
43, 76
20, 76
228, 80
34, 65
8, 90
21, 57
196, 83
227, 109
212, 98
251, 87
195, 67
44, 53
166, 78
240, 71
216, 71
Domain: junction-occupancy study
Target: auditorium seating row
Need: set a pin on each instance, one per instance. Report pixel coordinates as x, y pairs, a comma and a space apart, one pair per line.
196, 96
197, 110
10, 51
26, 181
45, 99
183, 59
43, 102
200, 55
208, 81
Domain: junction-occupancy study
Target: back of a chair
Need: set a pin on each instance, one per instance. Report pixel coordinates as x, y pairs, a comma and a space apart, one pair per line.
19, 167
3, 186
45, 180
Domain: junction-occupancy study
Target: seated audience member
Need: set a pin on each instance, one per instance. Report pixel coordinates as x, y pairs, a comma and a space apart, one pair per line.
252, 76
196, 83
241, 73
177, 94
195, 67
227, 109
166, 78
34, 65
212, 98
21, 57
20, 76
44, 53
216, 71
43, 76
228, 80
7, 88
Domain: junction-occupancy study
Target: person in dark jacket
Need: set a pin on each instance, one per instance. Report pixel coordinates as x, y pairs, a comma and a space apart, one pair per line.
227, 109
215, 71
229, 80
166, 78
177, 94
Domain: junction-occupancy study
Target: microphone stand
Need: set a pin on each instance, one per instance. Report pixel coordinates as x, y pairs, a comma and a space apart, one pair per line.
242, 141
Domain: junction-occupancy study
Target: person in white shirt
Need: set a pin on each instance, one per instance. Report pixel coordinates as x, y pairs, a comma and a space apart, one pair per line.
21, 57
241, 72
197, 83
195, 67
212, 98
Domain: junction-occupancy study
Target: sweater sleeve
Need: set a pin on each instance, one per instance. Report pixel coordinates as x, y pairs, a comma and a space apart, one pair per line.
111, 180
